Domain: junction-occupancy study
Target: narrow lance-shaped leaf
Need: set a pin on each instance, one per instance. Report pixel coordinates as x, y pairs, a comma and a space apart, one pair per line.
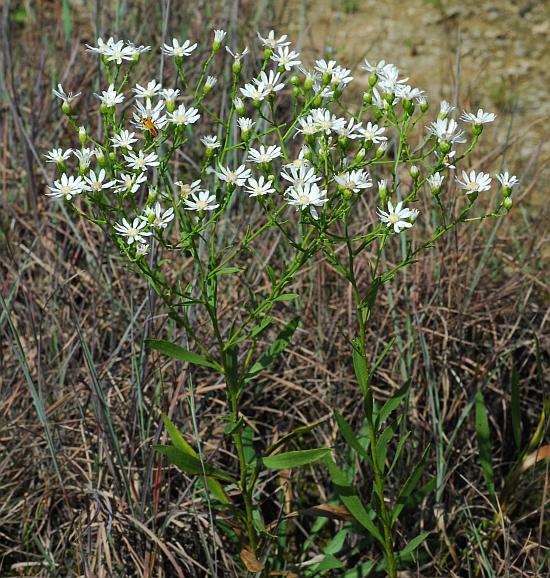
484, 443
295, 459
176, 352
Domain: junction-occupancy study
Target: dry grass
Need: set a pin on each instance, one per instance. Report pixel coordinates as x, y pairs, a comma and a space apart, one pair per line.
94, 499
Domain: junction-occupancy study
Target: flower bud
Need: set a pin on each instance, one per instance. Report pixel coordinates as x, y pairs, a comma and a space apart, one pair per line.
236, 67
381, 151
367, 98
66, 108
317, 101
295, 80
343, 141
389, 98
423, 105
414, 172
112, 156
373, 79
337, 92
408, 106
445, 147
152, 196
82, 136
308, 83
327, 77
360, 155
507, 202
295, 92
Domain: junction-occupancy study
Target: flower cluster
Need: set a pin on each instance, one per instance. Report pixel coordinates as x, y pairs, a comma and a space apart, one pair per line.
319, 161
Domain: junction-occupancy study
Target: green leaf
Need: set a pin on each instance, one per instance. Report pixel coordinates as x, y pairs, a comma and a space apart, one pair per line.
516, 411
383, 444
191, 465
484, 443
295, 459
177, 438
349, 435
392, 404
360, 366
409, 486
274, 350
261, 327
329, 562
410, 548
351, 500
224, 271
286, 297
287, 437
176, 352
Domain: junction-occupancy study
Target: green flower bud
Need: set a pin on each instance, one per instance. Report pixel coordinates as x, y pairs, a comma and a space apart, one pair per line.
327, 77
389, 98
308, 83
267, 52
295, 80
381, 150
408, 106
424, 105
112, 157
414, 172
317, 101
360, 155
82, 136
343, 141
445, 147
295, 92
507, 203
373, 79
367, 98
236, 67
66, 108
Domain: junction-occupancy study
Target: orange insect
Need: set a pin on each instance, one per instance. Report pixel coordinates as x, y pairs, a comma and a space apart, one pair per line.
150, 126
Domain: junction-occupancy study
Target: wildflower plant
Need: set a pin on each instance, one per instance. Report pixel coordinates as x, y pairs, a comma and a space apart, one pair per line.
333, 180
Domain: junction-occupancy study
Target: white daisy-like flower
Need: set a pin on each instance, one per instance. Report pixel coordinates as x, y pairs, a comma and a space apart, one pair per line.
245, 123
351, 130
354, 180
141, 49
271, 42
135, 232
110, 97
372, 132
156, 217
101, 47
178, 50
379, 69
326, 121
474, 182
154, 113
407, 92
300, 176
478, 119
185, 189
237, 56
237, 177
169, 95
128, 183
507, 180
259, 187
395, 216
211, 142
84, 157
300, 161
184, 116
124, 139
445, 108
66, 186
142, 249
254, 91
265, 155
141, 161
446, 130
58, 155
117, 52
435, 181
286, 58
203, 201
219, 36
308, 125
150, 91
271, 82
390, 81
96, 182
66, 98
308, 195
210, 82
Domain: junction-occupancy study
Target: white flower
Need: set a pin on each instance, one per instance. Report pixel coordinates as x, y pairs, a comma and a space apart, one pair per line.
204, 201
286, 58
308, 195
117, 52
135, 232
130, 183
408, 92
479, 118
95, 182
308, 125
379, 69
141, 49
185, 116
300, 176
169, 94
265, 155
187, 189
474, 183
219, 36
446, 130
389, 81
395, 216
210, 82
300, 161
445, 109
142, 249
245, 123
271, 42
124, 139
373, 133
237, 177
176, 50
150, 91
351, 130
101, 47
337, 73
414, 215
84, 157
270, 82
154, 113
507, 180
435, 181
255, 91
66, 187
326, 121
211, 142
141, 162
156, 218
67, 98
354, 180
237, 56
259, 187
58, 155
110, 97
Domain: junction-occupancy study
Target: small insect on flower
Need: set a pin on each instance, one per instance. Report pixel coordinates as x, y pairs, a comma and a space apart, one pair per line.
150, 126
